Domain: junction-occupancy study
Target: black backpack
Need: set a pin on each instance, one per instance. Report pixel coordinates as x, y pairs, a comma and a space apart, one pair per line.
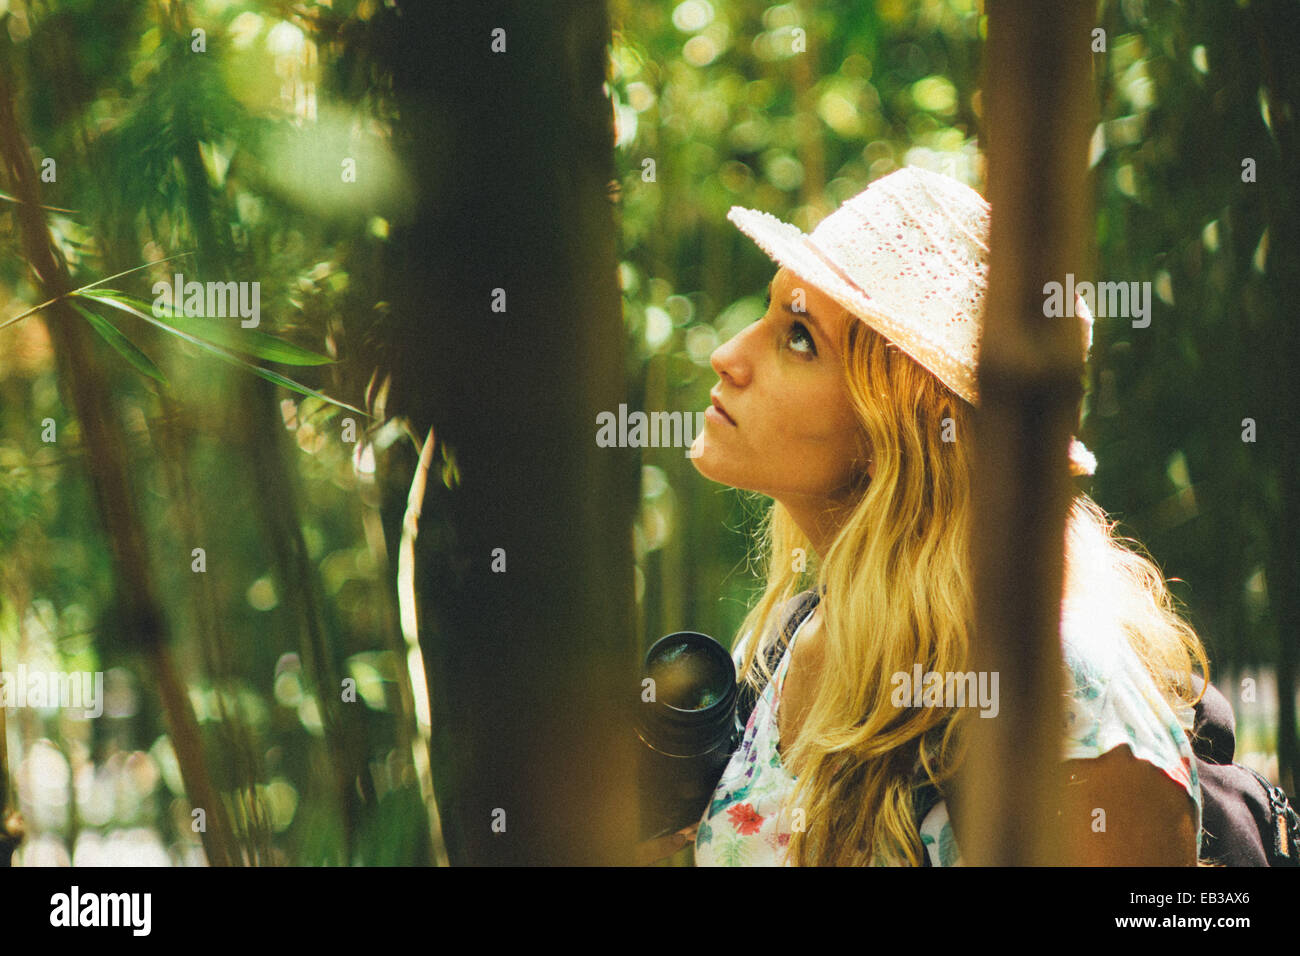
1245, 820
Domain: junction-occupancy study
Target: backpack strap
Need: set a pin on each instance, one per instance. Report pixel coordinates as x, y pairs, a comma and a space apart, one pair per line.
801, 605
1284, 829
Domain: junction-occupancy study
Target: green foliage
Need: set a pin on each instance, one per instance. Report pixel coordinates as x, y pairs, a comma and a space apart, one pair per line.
398, 833
257, 343
245, 341
1183, 92
159, 150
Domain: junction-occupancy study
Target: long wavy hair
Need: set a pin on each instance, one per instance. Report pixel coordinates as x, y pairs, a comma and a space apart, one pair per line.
896, 583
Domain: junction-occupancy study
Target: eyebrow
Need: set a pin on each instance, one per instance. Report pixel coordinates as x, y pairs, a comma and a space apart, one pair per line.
806, 314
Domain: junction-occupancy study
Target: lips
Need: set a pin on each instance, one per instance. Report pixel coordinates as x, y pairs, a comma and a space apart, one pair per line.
718, 405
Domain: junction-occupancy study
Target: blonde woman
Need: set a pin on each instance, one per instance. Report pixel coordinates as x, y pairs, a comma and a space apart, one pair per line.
842, 404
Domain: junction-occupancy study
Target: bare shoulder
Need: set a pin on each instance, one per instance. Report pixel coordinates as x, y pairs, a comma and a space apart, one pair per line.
1121, 811
800, 679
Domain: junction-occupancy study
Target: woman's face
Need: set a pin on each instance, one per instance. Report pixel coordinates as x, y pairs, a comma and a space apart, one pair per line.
792, 434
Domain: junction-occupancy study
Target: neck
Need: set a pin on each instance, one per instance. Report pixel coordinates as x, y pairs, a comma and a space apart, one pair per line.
820, 519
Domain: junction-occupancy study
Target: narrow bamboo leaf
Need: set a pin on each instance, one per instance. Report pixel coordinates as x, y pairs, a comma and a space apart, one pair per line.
14, 199
276, 377
48, 302
241, 340
124, 346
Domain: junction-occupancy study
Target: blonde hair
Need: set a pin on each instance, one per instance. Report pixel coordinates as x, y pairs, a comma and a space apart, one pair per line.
897, 593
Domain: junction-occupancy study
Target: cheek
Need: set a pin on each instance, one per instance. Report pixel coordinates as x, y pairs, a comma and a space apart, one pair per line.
845, 432
826, 423
830, 416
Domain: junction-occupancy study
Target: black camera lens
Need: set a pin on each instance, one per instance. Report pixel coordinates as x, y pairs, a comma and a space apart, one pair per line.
686, 720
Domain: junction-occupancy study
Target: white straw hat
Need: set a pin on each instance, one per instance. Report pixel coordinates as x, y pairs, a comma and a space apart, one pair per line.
918, 241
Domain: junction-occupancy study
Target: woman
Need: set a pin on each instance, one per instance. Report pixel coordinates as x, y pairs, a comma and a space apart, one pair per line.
850, 403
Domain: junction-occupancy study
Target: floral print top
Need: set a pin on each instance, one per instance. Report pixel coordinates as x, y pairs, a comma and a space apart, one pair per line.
1112, 702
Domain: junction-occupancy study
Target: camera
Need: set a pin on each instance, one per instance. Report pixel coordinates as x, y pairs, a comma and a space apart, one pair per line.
685, 720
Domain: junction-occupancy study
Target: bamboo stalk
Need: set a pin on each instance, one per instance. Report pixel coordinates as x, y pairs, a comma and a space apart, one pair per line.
415, 667
1038, 90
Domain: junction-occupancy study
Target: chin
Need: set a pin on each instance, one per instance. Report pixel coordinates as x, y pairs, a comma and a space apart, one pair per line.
701, 461
705, 462
707, 467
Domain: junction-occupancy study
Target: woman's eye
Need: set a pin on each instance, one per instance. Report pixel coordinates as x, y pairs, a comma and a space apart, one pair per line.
799, 332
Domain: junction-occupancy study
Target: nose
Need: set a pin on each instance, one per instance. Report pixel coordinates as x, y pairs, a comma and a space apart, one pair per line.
729, 361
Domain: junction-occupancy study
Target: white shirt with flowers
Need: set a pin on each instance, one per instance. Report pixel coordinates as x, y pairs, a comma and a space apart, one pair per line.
1112, 702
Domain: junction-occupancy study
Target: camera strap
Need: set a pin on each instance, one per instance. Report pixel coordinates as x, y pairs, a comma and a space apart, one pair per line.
801, 605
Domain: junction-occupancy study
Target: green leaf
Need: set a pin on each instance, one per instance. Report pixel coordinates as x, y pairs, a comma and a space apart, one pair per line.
117, 303
117, 275
124, 346
244, 341
14, 199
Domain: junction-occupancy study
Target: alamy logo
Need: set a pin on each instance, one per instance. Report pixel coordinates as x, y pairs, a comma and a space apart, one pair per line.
214, 300
133, 910
950, 689
76, 690
665, 429
1105, 300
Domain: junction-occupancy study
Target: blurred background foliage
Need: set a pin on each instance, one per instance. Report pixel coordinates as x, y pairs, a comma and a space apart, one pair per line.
789, 108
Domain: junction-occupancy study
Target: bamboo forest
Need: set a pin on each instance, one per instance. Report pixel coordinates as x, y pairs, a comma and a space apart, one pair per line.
381, 379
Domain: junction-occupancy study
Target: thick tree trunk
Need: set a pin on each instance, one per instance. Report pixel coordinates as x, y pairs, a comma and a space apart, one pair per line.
509, 343
1038, 96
